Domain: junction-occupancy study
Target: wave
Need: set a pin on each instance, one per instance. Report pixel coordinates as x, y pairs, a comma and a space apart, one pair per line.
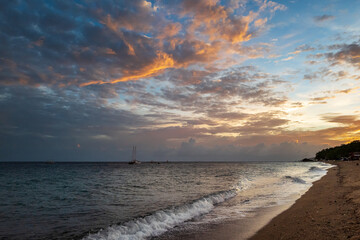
316, 169
296, 179
163, 220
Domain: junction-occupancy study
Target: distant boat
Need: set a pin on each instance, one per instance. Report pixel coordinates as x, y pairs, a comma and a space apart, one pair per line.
133, 157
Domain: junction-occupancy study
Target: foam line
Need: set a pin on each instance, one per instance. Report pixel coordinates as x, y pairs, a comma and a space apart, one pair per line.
163, 220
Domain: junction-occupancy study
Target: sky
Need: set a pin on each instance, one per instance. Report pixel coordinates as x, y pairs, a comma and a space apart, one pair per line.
205, 80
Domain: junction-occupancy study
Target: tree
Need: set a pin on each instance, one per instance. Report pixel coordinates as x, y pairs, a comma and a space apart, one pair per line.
338, 152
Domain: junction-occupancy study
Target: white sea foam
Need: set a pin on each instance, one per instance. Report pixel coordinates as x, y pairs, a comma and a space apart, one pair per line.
314, 169
163, 220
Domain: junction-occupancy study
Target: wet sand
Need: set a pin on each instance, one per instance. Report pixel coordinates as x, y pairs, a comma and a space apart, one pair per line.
329, 210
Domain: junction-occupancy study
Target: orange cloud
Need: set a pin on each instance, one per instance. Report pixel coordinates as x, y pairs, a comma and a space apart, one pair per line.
287, 59
322, 98
114, 26
140, 18
110, 23
260, 22
346, 91
110, 51
161, 62
331, 95
205, 11
212, 27
131, 50
170, 30
235, 31
214, 20
296, 52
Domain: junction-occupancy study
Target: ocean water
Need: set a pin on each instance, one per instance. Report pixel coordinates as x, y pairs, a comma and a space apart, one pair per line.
121, 201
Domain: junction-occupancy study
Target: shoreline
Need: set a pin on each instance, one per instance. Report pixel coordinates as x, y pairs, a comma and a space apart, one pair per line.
330, 209
241, 228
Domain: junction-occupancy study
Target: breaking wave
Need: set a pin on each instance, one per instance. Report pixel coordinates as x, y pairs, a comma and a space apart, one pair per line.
162, 220
315, 169
296, 179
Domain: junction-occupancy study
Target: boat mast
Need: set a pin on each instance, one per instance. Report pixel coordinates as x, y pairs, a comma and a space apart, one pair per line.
133, 157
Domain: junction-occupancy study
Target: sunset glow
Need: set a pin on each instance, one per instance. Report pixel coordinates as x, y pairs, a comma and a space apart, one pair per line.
182, 80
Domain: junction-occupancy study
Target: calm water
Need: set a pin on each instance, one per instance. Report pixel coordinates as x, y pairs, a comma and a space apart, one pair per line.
121, 201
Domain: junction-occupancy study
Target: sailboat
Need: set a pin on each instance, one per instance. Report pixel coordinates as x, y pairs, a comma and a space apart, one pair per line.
133, 157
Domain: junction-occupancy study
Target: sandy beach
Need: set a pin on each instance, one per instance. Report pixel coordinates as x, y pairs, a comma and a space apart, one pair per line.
329, 210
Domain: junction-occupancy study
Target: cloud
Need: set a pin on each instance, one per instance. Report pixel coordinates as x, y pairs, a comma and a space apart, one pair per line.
288, 58
331, 95
347, 130
343, 119
83, 44
254, 51
328, 73
321, 98
207, 92
347, 54
56, 121
155, 74
323, 18
170, 30
214, 20
161, 62
285, 151
60, 119
68, 45
302, 48
135, 15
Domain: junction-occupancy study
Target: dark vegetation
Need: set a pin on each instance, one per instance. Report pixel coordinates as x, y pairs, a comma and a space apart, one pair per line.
339, 152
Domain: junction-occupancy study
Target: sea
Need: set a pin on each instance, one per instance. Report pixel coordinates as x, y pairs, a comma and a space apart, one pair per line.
147, 201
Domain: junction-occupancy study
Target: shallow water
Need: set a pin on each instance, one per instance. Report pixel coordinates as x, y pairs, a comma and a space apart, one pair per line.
121, 201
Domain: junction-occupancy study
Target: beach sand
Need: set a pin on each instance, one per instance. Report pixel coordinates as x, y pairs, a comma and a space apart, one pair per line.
329, 210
